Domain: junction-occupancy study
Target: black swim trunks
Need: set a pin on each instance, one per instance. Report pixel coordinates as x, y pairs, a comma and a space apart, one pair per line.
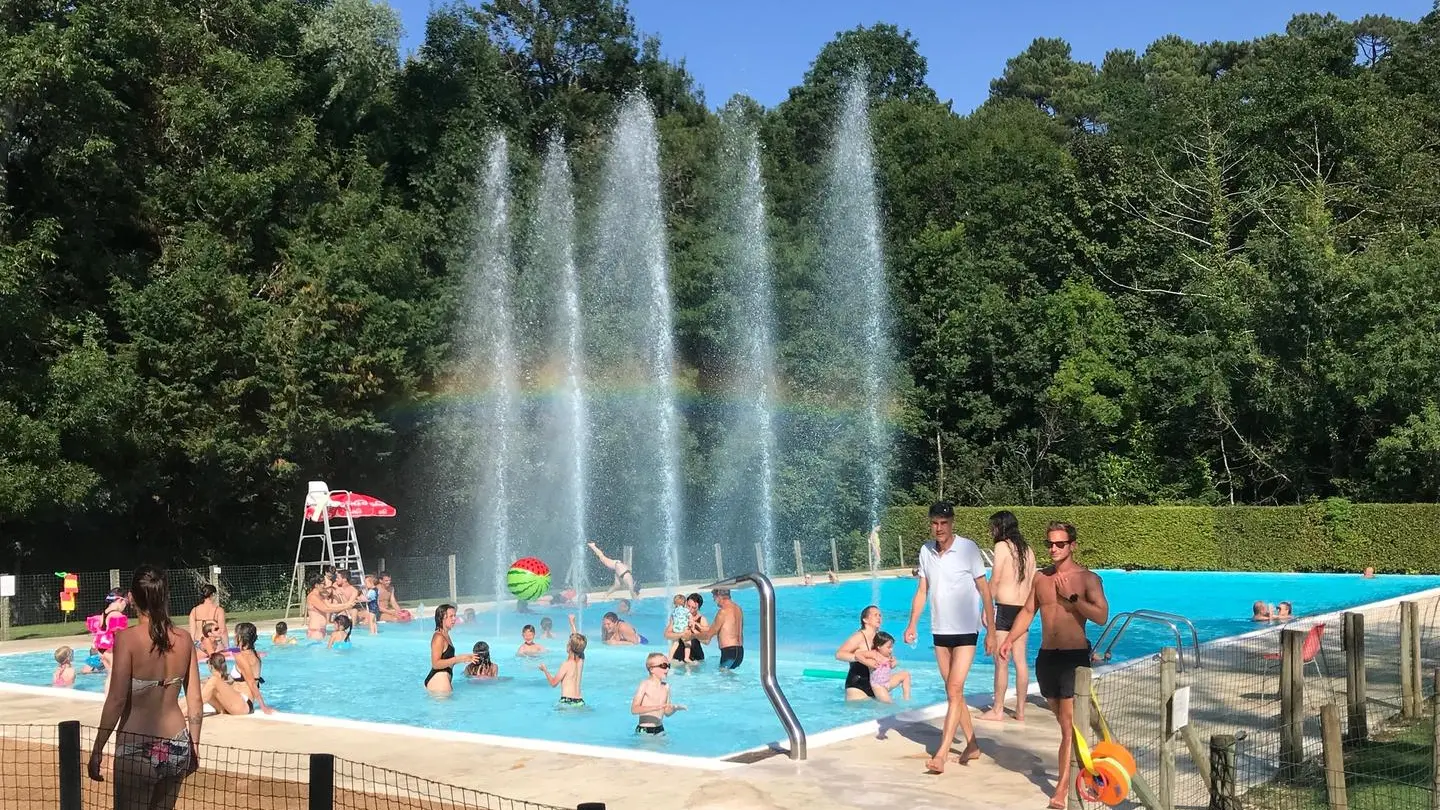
1055, 671
653, 730
859, 678
1005, 616
731, 657
952, 640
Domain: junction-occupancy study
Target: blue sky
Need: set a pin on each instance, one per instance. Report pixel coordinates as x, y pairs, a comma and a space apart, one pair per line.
763, 47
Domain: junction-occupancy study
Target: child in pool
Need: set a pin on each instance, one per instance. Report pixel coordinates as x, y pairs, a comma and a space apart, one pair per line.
883, 674
220, 692
210, 640
482, 666
568, 678
528, 646
680, 623
651, 703
547, 627
340, 638
64, 676
469, 617
282, 635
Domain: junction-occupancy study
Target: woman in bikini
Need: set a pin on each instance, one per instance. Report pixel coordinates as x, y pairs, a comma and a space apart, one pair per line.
855, 651
209, 610
156, 741
624, 578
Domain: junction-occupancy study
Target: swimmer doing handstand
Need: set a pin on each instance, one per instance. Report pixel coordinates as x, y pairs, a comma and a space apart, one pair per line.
623, 576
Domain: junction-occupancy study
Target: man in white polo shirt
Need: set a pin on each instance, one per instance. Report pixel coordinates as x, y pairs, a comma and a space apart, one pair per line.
952, 580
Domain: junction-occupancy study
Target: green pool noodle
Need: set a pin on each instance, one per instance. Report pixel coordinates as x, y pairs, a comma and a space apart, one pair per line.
838, 675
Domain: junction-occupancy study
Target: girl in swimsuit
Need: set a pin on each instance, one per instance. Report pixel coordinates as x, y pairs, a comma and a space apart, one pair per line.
855, 650
623, 576
247, 666
442, 653
221, 692
340, 639
480, 666
155, 746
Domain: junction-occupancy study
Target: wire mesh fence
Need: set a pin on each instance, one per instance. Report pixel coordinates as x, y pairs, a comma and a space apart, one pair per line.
1336, 711
44, 766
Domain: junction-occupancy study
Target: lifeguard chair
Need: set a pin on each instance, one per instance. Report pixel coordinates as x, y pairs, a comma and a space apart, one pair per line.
328, 536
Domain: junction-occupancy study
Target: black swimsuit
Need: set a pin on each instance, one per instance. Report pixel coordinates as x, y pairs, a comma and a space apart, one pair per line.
859, 676
449, 653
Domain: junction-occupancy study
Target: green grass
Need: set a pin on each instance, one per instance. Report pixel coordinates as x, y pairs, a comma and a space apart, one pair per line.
1392, 771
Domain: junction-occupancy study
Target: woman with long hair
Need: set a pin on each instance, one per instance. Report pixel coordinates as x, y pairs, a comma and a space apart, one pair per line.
442, 653
247, 666
156, 742
857, 651
1011, 578
208, 610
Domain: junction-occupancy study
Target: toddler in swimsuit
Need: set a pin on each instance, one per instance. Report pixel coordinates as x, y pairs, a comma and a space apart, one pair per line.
64, 676
883, 674
680, 623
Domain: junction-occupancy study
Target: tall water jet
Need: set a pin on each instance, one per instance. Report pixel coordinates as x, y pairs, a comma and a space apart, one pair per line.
490, 358
855, 269
750, 450
632, 342
552, 263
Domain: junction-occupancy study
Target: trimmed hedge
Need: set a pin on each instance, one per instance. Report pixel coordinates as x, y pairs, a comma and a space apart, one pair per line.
1331, 535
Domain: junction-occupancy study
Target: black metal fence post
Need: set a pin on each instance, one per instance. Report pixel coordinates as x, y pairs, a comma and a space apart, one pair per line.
70, 774
590, 806
322, 782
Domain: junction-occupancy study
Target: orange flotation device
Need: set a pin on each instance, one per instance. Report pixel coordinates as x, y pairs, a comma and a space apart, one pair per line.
1106, 770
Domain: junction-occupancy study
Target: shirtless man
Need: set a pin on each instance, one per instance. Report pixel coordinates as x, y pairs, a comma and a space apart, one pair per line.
615, 631
347, 594
1066, 595
389, 605
952, 582
729, 625
318, 608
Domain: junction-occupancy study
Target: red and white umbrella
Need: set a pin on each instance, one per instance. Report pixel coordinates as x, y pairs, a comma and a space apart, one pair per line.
346, 504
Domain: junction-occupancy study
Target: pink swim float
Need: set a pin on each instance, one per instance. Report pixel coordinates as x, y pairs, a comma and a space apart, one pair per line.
104, 636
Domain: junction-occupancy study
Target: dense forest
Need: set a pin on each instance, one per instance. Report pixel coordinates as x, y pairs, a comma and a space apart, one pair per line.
1207, 273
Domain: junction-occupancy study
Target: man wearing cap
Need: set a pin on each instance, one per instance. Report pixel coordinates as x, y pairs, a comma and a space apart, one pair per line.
952, 580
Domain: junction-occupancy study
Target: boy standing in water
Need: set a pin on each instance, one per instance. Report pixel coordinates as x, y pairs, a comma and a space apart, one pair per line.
651, 703
568, 678
1066, 595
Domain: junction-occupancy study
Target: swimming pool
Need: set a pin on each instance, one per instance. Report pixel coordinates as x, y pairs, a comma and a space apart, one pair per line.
379, 679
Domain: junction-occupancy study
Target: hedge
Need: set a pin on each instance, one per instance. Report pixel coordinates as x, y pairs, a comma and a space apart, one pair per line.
1331, 535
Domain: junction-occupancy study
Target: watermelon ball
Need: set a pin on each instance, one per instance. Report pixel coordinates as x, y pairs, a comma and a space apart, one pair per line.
528, 579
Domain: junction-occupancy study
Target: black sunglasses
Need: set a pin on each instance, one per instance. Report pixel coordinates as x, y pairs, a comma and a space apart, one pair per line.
665, 665
1061, 544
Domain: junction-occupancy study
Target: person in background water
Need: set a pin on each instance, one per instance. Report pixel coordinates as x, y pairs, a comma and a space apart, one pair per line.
1369, 572
209, 639
624, 577
282, 637
729, 626
340, 638
1283, 612
547, 627
623, 607
528, 647
389, 604
1066, 596
952, 582
64, 676
209, 610
247, 666
480, 666
1011, 579
156, 743
1260, 612
442, 653
651, 703
615, 631
571, 672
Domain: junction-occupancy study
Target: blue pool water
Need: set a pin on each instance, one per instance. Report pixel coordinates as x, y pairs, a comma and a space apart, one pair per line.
379, 679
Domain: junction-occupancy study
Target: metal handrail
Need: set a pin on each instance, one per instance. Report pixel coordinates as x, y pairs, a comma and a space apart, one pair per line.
768, 681
1171, 620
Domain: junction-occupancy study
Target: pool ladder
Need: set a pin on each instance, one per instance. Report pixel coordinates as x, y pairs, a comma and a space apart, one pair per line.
768, 681
1172, 620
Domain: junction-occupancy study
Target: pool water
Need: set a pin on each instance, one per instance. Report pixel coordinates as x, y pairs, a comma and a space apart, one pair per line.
379, 679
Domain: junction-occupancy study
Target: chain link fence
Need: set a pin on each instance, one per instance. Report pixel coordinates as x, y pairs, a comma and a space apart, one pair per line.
1318, 714
43, 767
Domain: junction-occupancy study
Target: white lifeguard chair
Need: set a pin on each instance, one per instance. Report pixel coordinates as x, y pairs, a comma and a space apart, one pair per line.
328, 536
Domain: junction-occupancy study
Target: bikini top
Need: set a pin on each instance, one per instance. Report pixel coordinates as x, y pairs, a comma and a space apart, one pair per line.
141, 684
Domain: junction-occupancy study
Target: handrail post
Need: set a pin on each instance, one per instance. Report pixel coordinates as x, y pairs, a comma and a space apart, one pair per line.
768, 681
